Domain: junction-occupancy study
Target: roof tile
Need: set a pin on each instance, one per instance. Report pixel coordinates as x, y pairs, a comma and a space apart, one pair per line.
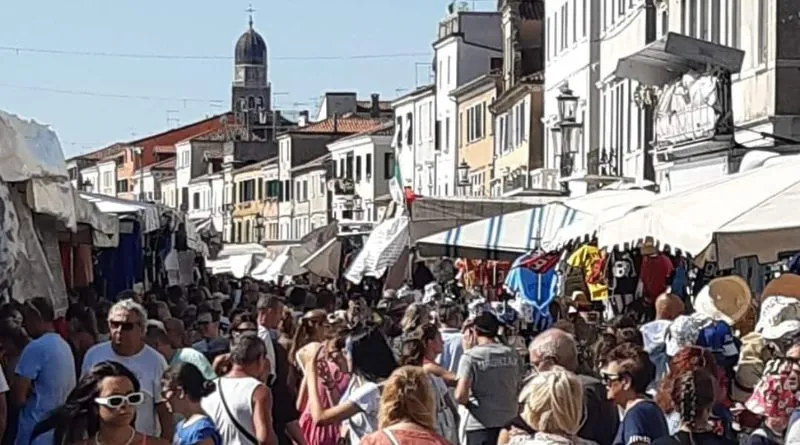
344, 124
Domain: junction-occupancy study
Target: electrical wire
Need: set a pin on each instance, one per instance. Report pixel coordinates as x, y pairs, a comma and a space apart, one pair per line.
19, 50
111, 95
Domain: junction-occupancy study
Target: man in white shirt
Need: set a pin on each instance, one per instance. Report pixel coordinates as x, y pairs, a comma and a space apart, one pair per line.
270, 311
126, 325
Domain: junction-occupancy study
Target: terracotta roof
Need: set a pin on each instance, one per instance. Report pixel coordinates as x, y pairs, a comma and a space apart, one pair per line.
102, 153
347, 124
167, 164
164, 149
386, 128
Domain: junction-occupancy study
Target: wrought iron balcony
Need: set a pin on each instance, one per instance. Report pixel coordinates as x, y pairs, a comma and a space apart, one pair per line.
541, 179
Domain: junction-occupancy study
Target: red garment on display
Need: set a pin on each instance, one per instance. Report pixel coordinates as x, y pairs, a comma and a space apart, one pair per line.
655, 271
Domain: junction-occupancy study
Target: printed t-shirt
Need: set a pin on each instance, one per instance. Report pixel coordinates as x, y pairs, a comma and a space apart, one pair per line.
622, 281
643, 423
592, 262
495, 376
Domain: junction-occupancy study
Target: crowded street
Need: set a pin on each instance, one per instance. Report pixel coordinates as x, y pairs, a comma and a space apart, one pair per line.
572, 226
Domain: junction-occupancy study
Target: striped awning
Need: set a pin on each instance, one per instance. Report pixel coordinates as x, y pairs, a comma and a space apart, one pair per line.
502, 237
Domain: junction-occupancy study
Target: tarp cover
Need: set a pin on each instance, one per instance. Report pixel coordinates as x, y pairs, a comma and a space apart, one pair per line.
29, 150
382, 249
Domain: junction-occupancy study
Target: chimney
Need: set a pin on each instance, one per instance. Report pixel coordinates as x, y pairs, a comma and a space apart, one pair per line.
375, 110
335, 122
276, 120
303, 121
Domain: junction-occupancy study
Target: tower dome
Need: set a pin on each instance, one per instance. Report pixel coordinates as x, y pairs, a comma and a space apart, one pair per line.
251, 48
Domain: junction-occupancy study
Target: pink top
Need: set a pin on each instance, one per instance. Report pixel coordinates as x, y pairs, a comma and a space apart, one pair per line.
331, 384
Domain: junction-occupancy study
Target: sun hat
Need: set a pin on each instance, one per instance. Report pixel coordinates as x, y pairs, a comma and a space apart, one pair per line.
724, 298
786, 285
684, 332
648, 247
780, 317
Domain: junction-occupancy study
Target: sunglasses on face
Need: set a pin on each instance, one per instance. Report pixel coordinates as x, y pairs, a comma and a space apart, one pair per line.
609, 378
114, 402
123, 325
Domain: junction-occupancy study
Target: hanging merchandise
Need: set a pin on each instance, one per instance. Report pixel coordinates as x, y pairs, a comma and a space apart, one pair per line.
623, 282
656, 269
541, 262
535, 293
591, 261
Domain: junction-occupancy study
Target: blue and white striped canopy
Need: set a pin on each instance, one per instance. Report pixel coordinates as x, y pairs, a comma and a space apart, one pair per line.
501, 237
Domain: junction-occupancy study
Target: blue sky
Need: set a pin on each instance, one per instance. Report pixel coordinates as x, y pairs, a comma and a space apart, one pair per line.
292, 28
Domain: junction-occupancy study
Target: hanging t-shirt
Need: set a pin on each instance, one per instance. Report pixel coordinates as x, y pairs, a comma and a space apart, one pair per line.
655, 271
622, 281
591, 261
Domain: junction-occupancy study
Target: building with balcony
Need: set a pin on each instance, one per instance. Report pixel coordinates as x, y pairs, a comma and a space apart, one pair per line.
691, 91
149, 180
269, 212
310, 199
250, 195
415, 151
363, 164
466, 44
300, 146
475, 139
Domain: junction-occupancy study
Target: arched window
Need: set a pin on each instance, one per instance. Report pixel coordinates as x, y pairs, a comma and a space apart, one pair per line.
251, 103
242, 103
260, 102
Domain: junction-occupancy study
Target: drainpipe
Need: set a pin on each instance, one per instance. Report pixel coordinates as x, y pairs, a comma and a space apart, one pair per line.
649, 112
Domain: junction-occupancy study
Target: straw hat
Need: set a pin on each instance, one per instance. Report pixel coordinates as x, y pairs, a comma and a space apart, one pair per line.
648, 247
724, 298
786, 285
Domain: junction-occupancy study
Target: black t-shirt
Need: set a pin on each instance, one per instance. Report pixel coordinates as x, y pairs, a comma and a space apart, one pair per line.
622, 274
283, 406
683, 438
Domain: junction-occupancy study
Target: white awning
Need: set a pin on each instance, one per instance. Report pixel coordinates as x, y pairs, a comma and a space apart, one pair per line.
507, 236
749, 213
382, 249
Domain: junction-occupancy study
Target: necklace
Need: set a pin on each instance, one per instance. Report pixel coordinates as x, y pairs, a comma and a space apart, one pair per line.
130, 439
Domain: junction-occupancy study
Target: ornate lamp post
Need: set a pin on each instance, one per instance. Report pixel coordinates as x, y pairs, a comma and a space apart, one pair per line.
260, 228
463, 175
570, 130
358, 209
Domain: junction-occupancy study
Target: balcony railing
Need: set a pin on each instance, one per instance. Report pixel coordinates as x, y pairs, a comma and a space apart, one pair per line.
541, 179
602, 162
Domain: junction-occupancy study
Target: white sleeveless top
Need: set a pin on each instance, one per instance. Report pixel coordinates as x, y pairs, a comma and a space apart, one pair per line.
239, 395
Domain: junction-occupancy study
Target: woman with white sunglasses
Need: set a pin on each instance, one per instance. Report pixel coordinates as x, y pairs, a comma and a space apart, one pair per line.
99, 411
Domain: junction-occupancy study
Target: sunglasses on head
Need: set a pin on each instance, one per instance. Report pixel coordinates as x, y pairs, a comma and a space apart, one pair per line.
132, 399
124, 325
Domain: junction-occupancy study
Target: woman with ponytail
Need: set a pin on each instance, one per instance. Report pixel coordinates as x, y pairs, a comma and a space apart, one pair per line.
693, 394
184, 387
312, 329
100, 410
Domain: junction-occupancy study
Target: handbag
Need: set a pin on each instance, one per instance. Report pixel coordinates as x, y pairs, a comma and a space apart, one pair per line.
238, 426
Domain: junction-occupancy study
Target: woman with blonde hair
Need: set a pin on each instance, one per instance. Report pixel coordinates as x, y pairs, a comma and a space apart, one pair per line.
406, 414
554, 409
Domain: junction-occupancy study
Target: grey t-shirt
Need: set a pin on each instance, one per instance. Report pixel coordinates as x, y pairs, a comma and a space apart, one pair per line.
495, 374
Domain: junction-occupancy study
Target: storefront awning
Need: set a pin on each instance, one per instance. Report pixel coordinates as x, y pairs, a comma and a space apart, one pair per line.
506, 236
748, 213
675, 55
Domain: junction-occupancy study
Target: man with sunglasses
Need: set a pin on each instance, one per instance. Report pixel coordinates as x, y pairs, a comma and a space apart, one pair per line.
126, 325
213, 343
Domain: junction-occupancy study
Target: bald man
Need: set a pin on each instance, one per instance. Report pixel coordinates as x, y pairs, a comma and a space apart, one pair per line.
555, 347
669, 306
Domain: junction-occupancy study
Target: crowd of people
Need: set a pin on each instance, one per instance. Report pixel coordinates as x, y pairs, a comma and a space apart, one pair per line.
262, 364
